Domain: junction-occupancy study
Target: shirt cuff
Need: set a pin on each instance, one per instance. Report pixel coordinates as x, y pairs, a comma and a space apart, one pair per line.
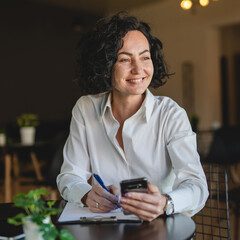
181, 200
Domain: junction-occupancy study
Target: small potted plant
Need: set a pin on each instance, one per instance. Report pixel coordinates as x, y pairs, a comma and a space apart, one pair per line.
37, 224
3, 138
27, 123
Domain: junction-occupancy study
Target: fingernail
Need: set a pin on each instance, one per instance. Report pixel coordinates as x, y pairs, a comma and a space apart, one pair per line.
123, 200
127, 194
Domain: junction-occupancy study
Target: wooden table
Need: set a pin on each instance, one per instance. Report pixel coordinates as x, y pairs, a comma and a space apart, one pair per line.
176, 227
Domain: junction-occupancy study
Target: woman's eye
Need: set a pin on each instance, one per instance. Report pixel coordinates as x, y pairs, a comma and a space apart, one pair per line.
146, 58
124, 60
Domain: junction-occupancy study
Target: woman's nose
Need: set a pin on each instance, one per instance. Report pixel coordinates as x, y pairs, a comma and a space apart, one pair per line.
136, 67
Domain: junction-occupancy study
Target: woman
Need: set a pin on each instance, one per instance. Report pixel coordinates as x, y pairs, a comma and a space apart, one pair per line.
122, 131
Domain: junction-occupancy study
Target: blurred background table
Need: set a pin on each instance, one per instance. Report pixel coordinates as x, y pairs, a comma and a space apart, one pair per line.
32, 166
13, 166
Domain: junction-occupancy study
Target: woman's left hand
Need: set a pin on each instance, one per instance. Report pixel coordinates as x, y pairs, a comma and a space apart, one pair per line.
146, 206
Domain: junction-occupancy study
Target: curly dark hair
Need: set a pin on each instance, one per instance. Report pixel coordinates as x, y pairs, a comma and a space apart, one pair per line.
97, 53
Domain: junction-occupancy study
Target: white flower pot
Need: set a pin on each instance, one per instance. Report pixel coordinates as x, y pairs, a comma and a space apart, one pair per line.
27, 135
32, 230
2, 139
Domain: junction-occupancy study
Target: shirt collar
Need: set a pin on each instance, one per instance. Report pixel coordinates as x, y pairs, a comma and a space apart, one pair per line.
148, 105
106, 103
146, 108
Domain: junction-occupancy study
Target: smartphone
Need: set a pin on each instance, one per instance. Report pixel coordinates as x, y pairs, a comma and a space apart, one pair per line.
134, 185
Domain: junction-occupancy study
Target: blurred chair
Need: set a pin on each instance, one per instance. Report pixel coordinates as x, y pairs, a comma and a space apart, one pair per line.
54, 165
212, 222
57, 159
225, 151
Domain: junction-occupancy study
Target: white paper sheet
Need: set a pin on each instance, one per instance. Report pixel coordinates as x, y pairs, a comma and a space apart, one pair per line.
73, 212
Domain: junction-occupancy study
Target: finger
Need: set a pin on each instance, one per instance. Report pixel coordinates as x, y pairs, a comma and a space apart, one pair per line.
103, 203
105, 194
114, 190
143, 197
93, 208
100, 205
137, 206
141, 213
152, 188
149, 201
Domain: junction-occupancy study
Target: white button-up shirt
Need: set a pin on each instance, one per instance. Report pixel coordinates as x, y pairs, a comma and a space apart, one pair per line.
158, 144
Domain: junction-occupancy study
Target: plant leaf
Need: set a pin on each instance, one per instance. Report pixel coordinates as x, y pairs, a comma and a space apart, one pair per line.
66, 235
49, 231
51, 203
37, 193
17, 220
37, 218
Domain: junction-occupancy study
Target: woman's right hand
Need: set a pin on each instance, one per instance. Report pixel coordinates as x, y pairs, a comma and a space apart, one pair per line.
99, 200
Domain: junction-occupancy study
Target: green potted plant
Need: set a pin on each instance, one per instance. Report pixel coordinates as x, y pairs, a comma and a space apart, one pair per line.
28, 123
37, 222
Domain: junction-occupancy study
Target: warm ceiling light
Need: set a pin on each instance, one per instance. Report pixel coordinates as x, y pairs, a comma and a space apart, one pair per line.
204, 3
186, 4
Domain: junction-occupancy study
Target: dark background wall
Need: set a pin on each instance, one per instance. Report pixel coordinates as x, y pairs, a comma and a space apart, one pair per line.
37, 52
230, 49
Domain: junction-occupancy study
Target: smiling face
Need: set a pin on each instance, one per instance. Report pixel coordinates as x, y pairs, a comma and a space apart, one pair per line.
133, 70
